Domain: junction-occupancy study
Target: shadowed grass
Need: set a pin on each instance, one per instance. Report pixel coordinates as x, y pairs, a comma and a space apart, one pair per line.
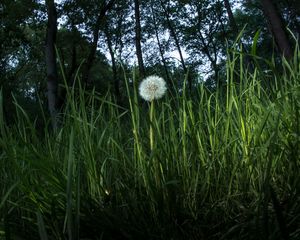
220, 165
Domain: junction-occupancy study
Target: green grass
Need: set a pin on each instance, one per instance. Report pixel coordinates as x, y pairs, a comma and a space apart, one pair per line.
221, 164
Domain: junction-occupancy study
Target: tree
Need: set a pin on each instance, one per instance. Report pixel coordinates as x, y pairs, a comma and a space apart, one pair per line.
138, 38
150, 31
232, 21
52, 80
116, 82
204, 34
115, 29
166, 12
294, 13
14, 48
160, 47
277, 28
95, 33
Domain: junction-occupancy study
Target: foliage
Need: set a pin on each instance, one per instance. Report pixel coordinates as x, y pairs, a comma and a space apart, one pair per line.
216, 158
202, 29
222, 164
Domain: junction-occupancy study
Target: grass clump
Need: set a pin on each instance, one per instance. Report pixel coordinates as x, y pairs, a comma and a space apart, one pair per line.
221, 164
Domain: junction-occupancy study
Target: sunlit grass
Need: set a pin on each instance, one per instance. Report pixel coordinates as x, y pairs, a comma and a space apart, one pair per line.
219, 164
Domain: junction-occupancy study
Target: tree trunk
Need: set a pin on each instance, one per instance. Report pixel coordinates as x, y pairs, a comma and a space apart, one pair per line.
72, 70
277, 28
91, 57
52, 81
70, 78
160, 47
209, 51
138, 38
116, 82
212, 59
231, 17
176, 40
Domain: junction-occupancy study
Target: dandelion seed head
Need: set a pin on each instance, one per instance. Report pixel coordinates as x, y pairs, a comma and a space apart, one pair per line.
152, 87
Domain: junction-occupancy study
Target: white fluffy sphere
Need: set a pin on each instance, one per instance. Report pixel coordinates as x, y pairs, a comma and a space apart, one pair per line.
152, 87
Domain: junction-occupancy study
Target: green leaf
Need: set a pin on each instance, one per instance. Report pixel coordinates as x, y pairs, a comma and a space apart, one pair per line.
254, 45
7, 194
41, 226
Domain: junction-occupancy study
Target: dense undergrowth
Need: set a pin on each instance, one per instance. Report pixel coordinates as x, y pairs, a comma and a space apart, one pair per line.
223, 164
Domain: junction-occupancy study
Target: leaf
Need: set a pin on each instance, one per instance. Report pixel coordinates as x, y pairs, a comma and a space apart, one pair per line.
254, 45
41, 226
7, 194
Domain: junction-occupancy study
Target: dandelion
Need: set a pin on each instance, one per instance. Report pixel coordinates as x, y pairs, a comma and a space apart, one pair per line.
152, 87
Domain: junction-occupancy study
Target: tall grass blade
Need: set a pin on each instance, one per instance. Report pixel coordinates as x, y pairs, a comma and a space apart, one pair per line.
9, 191
41, 226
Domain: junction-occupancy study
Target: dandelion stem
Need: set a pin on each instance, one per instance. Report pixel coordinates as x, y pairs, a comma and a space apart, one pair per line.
151, 125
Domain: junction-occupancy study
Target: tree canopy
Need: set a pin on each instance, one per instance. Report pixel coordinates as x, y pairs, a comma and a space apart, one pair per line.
97, 40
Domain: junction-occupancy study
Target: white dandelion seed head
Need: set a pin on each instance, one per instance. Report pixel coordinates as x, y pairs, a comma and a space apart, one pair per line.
152, 87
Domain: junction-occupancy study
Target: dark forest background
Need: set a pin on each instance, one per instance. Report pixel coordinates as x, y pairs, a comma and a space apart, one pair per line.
45, 44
